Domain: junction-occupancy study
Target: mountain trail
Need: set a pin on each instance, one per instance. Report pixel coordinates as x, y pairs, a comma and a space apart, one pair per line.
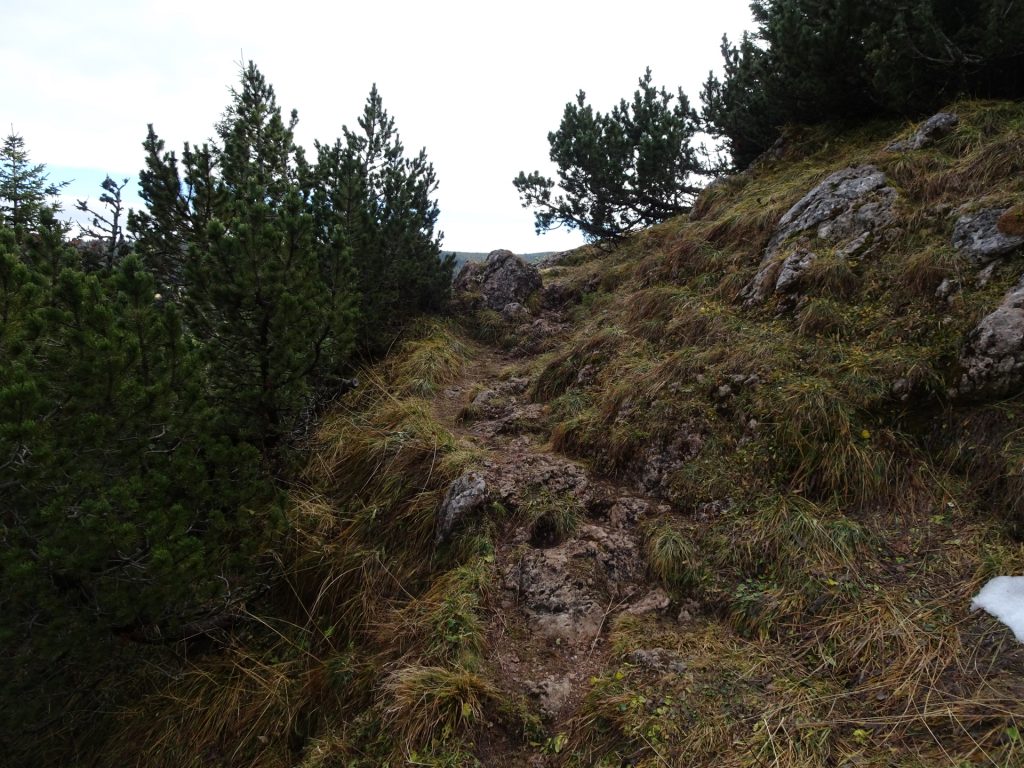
569, 555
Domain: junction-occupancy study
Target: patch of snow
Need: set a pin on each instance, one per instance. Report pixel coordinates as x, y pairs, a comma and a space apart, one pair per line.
1003, 597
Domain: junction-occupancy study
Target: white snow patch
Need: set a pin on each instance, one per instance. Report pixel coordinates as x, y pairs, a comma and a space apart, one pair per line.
1003, 597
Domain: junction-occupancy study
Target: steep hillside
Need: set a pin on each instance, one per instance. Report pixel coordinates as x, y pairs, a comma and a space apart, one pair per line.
720, 495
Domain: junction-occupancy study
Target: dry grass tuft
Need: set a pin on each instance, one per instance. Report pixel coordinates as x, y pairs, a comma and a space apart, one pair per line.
822, 317
424, 704
828, 448
830, 278
672, 557
241, 709
443, 626
426, 364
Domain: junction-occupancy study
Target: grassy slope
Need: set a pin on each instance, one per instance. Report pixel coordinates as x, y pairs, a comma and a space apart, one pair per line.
825, 556
857, 527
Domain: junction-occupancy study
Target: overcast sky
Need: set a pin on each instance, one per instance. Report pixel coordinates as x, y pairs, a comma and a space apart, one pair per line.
478, 84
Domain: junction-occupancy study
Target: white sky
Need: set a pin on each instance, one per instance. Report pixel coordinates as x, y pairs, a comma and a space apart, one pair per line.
478, 84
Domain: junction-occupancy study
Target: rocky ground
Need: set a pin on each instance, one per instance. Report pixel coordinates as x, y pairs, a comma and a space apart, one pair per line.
574, 562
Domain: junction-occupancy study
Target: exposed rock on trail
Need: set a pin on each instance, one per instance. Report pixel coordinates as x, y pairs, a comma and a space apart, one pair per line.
503, 279
559, 589
467, 495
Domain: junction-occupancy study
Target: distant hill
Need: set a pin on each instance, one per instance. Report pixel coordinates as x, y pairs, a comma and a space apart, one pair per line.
461, 257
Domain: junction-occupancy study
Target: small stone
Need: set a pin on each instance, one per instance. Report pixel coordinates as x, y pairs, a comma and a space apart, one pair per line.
984, 277
466, 495
653, 601
901, 389
947, 288
552, 694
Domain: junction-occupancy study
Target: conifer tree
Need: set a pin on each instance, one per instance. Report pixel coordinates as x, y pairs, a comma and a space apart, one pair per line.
106, 227
813, 61
383, 202
126, 499
618, 171
24, 188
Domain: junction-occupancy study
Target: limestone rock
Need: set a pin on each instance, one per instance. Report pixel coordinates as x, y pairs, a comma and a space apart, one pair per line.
931, 130
515, 483
794, 265
652, 602
661, 460
978, 236
833, 201
552, 694
992, 360
628, 511
846, 211
564, 589
502, 279
466, 495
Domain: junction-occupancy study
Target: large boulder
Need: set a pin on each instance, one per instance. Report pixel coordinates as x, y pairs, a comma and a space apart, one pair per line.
927, 133
501, 279
992, 360
844, 212
978, 236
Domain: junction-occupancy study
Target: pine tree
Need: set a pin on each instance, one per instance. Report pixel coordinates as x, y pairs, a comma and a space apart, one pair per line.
24, 188
106, 227
266, 296
397, 254
126, 495
814, 61
620, 171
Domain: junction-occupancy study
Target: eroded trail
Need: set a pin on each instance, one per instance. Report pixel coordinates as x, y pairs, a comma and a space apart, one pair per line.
569, 555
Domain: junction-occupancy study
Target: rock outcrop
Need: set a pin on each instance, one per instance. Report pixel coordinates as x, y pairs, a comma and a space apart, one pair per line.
500, 280
978, 236
927, 133
845, 211
992, 360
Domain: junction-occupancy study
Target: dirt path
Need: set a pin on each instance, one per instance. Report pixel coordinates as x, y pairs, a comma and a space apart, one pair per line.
570, 559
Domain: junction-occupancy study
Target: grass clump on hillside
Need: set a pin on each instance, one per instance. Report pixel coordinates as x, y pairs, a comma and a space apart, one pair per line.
672, 558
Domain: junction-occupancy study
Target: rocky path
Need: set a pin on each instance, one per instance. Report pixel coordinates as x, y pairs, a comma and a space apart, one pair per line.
570, 558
